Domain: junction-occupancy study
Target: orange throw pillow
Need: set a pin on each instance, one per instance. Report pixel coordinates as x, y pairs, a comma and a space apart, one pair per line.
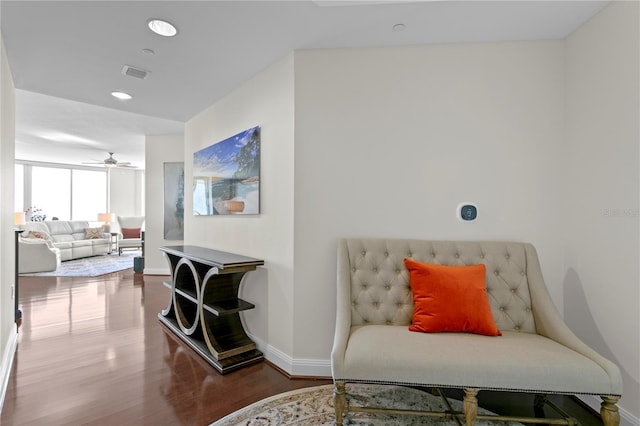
450, 298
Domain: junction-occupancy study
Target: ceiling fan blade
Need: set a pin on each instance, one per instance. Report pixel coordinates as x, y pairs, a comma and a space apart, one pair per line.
112, 162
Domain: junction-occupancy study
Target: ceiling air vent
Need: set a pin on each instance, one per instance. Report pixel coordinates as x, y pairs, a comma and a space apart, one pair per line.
135, 72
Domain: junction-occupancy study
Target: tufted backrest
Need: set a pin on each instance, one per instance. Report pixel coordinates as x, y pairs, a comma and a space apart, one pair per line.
381, 293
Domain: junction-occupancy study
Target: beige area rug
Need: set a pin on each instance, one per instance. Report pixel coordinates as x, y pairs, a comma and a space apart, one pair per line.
314, 407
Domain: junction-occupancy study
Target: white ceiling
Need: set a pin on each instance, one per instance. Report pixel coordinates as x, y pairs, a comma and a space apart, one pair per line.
67, 56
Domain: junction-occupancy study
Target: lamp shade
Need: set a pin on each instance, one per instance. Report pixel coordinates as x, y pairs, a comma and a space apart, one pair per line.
105, 217
18, 218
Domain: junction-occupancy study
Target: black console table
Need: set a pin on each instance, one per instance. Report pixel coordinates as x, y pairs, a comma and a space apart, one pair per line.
204, 310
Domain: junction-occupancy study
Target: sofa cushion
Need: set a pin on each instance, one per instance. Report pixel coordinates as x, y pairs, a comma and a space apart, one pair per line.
64, 244
450, 298
78, 226
62, 238
59, 227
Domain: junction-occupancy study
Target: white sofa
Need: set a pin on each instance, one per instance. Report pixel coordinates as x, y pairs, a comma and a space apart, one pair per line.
536, 353
70, 238
36, 255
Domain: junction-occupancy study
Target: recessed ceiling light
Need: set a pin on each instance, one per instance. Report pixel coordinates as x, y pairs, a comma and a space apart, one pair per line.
148, 51
398, 27
121, 95
162, 28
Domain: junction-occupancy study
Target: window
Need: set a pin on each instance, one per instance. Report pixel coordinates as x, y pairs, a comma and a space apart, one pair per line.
50, 192
89, 194
62, 193
19, 188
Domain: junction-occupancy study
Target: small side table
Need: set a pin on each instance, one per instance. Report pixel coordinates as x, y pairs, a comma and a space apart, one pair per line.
114, 241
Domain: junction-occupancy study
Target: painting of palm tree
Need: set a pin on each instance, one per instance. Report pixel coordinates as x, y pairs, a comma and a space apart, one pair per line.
226, 176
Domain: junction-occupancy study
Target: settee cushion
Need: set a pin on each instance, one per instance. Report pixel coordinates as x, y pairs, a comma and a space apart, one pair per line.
450, 298
515, 362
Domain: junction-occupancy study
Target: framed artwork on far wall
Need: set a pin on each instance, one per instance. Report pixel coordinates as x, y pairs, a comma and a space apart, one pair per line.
226, 176
174, 201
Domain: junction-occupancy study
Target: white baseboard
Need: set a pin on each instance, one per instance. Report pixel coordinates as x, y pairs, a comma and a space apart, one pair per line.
292, 366
7, 363
156, 271
278, 358
312, 367
626, 418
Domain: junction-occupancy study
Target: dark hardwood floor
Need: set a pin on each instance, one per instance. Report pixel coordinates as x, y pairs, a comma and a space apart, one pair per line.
91, 351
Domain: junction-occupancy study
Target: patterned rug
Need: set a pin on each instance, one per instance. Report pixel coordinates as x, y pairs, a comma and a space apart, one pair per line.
314, 407
90, 266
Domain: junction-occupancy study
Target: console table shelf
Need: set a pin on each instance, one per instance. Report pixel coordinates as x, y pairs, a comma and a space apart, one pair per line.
204, 309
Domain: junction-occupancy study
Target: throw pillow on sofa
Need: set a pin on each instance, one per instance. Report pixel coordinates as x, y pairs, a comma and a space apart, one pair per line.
39, 235
93, 233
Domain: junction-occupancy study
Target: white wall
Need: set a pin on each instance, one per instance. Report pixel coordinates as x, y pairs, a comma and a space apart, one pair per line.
390, 140
265, 101
158, 150
8, 332
126, 192
601, 169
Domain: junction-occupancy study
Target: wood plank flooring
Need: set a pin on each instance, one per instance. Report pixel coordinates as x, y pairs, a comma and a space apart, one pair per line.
92, 352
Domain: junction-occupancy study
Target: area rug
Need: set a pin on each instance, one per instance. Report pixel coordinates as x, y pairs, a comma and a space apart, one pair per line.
314, 407
90, 266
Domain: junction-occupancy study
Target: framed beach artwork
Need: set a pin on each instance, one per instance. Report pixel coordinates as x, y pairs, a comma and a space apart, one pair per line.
226, 176
174, 201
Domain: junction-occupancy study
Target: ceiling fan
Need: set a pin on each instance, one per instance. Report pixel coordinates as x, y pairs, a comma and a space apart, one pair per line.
112, 162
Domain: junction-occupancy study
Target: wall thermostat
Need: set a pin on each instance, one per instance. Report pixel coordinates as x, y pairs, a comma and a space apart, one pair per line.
467, 212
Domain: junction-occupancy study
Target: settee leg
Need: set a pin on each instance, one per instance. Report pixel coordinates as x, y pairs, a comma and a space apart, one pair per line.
539, 401
339, 401
609, 411
470, 406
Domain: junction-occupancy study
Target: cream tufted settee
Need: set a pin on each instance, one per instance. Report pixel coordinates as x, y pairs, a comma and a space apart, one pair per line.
537, 353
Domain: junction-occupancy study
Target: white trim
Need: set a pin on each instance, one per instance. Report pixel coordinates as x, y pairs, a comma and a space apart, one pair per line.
156, 271
292, 366
7, 364
279, 359
626, 418
273, 355
312, 367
